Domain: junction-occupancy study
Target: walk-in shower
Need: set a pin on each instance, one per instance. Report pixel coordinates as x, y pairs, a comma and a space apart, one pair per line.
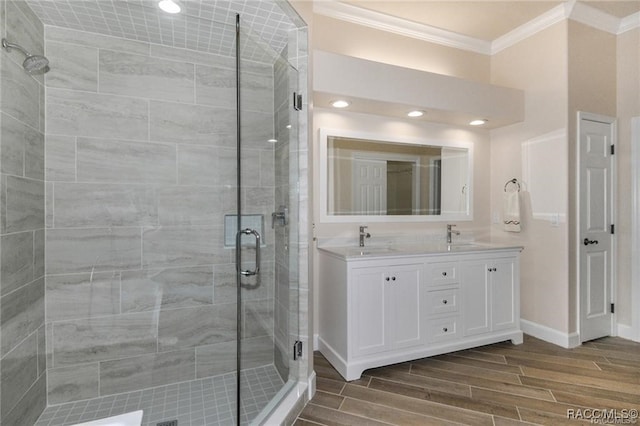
128, 171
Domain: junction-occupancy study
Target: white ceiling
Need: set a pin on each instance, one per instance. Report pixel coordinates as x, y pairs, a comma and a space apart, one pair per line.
484, 20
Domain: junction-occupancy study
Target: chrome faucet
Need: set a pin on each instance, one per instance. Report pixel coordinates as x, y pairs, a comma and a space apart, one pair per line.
363, 234
451, 231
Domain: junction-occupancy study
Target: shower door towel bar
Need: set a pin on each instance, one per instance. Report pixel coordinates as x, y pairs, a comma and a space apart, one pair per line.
513, 181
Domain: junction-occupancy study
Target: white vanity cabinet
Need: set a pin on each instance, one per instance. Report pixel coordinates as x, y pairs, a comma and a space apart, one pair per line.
493, 282
384, 308
380, 309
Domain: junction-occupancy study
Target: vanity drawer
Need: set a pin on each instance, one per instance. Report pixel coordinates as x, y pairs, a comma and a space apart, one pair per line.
443, 329
443, 301
443, 273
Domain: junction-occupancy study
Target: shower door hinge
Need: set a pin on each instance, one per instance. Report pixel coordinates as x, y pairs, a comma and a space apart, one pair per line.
613, 149
297, 101
613, 229
297, 350
613, 308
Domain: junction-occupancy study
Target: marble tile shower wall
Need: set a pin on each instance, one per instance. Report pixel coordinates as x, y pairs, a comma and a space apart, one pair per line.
22, 195
140, 171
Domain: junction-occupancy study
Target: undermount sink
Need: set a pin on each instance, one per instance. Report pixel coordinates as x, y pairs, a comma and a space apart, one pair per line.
464, 246
364, 251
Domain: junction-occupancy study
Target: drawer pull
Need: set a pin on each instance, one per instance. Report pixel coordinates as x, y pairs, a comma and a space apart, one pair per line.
393, 278
386, 279
444, 274
445, 329
445, 301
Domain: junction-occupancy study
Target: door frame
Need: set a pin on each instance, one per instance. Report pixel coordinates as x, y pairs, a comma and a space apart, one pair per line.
612, 214
635, 229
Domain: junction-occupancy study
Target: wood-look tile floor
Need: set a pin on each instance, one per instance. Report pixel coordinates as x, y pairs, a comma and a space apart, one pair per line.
500, 384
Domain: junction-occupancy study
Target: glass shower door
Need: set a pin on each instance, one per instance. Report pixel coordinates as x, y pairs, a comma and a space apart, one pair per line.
268, 227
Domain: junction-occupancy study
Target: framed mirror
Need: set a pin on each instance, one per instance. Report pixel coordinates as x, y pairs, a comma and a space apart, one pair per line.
382, 178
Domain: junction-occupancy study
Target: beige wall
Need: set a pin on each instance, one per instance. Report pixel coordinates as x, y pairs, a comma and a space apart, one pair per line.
341, 37
628, 105
592, 88
537, 65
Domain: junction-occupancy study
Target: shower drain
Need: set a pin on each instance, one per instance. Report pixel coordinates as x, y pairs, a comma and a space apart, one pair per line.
168, 423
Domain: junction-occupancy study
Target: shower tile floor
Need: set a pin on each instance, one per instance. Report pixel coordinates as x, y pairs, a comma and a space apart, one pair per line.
203, 402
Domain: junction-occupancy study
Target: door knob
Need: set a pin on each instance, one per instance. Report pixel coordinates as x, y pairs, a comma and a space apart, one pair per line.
588, 241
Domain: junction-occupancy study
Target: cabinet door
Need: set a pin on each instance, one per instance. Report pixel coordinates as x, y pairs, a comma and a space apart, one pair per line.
503, 293
369, 321
474, 281
405, 307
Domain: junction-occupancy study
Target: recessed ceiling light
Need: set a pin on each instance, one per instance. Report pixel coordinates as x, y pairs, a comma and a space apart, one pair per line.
272, 140
340, 103
478, 122
169, 6
288, 126
415, 113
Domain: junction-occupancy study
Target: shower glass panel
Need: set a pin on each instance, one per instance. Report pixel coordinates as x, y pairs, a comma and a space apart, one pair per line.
268, 200
142, 211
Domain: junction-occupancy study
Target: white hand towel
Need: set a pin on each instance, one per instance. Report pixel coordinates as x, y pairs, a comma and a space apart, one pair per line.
511, 211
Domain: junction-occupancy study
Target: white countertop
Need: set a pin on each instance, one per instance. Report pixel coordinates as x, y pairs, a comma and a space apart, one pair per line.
435, 248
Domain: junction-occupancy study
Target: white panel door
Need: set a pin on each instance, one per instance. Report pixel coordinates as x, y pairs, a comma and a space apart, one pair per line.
370, 187
595, 187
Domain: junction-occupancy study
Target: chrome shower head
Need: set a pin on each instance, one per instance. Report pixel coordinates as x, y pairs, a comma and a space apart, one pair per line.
33, 64
36, 64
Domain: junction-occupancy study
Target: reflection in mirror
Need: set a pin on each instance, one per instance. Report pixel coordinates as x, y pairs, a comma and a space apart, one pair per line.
368, 177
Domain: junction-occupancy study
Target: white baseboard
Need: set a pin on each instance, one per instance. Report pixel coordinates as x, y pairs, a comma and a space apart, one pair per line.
311, 385
626, 332
315, 342
551, 335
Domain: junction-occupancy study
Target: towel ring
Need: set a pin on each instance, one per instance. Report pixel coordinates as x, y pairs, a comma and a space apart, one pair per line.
513, 181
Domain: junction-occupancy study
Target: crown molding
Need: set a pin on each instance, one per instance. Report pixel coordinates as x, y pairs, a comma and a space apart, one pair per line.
384, 22
542, 22
595, 18
574, 10
629, 23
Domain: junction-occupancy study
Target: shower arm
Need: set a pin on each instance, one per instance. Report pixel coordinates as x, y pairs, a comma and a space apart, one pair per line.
10, 46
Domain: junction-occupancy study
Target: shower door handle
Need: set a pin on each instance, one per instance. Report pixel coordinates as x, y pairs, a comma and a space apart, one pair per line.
249, 231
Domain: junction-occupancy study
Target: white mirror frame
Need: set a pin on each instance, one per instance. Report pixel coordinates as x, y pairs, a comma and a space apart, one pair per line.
325, 133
